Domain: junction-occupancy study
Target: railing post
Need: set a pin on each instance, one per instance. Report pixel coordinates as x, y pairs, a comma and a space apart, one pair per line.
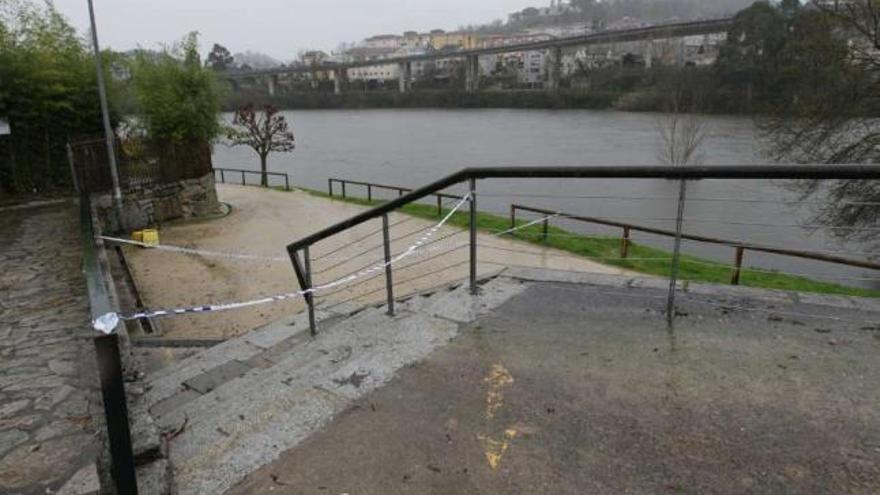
676, 255
222, 176
546, 229
343, 189
330, 187
439, 206
389, 282
473, 227
72, 163
400, 193
512, 216
243, 179
116, 413
624, 243
286, 182
737, 266
304, 277
369, 192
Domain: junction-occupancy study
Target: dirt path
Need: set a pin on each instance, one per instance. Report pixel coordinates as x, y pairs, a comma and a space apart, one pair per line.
263, 222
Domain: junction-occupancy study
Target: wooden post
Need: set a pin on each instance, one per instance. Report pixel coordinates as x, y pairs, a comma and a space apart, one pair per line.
343, 189
439, 205
624, 243
222, 176
512, 216
330, 187
287, 182
243, 179
369, 192
737, 265
546, 229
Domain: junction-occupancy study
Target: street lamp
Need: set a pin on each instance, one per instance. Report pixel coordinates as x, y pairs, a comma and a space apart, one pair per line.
105, 113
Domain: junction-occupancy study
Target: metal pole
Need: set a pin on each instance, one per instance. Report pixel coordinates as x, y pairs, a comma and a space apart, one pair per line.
116, 412
473, 226
440, 206
330, 187
512, 216
310, 297
546, 230
286, 182
343, 189
389, 283
369, 192
676, 255
222, 176
243, 179
105, 114
72, 163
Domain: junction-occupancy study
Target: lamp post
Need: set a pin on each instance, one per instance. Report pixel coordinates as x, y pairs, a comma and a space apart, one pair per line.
105, 113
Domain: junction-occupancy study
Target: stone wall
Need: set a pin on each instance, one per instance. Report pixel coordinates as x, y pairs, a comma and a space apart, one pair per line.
149, 205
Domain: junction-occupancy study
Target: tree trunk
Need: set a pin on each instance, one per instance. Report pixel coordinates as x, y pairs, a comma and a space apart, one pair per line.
264, 181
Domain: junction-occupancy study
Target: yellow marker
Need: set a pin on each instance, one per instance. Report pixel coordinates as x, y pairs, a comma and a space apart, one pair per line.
149, 237
498, 378
495, 449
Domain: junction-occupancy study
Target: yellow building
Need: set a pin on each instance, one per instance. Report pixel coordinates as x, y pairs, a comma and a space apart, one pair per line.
462, 41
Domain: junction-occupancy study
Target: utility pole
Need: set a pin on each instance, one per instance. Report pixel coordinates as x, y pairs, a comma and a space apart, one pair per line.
105, 113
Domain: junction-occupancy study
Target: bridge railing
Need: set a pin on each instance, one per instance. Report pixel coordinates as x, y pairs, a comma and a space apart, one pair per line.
237, 172
465, 213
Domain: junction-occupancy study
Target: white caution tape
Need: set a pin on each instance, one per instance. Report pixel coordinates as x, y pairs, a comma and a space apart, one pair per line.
108, 323
196, 252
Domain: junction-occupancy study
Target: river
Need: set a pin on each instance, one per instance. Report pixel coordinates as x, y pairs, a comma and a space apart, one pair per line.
413, 147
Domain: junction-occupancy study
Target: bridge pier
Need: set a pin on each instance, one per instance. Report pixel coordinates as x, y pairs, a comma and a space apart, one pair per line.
472, 73
338, 76
554, 72
405, 75
273, 85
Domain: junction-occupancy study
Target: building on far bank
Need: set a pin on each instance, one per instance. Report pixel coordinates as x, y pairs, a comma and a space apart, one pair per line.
4, 127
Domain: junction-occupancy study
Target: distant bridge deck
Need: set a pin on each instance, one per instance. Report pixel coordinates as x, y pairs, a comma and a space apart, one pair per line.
676, 30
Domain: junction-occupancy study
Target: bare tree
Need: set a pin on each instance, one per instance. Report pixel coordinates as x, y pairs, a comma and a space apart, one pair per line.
265, 132
682, 134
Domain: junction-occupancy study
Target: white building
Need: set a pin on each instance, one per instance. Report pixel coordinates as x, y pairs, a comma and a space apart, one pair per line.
4, 127
384, 41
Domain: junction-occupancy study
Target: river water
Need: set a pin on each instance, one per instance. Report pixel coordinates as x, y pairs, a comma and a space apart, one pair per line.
411, 148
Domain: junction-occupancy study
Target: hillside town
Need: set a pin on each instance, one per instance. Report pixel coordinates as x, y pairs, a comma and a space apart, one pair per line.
521, 69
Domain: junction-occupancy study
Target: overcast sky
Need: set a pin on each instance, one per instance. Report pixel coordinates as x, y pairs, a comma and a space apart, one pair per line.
279, 28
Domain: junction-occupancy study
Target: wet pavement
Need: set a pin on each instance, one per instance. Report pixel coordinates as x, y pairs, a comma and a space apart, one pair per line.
47, 400
569, 388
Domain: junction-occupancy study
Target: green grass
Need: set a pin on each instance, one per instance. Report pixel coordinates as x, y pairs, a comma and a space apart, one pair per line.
641, 258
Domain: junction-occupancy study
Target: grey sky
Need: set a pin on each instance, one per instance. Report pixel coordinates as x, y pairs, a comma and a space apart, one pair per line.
277, 27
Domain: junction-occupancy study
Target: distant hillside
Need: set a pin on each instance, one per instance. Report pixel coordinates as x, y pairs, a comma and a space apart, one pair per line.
599, 13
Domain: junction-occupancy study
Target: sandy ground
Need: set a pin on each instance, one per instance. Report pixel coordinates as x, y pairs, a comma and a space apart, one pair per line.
263, 222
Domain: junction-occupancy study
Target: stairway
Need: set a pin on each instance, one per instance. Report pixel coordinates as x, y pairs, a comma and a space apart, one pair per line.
238, 406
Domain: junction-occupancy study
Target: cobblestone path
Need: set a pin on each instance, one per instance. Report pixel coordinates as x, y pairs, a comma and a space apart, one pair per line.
49, 407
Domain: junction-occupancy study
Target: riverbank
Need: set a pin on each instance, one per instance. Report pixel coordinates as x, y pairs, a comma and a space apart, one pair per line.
641, 258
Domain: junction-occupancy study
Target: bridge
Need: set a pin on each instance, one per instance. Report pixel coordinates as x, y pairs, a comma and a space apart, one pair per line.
471, 57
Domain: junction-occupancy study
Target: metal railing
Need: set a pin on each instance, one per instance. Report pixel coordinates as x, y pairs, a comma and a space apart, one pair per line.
370, 186
108, 359
299, 250
245, 173
740, 247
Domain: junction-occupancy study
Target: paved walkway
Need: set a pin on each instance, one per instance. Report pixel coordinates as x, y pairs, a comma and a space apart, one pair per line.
47, 404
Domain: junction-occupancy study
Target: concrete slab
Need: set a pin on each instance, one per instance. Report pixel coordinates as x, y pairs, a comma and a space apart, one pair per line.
213, 378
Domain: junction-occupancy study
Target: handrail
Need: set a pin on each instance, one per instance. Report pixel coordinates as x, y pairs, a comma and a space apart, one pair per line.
616, 172
741, 247
223, 171
108, 359
299, 250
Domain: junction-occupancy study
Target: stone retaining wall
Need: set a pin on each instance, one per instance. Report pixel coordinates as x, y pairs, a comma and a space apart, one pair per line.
149, 205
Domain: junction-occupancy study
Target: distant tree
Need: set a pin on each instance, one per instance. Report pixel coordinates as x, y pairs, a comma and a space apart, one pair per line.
178, 99
830, 111
220, 59
264, 132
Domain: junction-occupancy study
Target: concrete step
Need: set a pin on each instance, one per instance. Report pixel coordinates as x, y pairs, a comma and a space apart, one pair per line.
238, 406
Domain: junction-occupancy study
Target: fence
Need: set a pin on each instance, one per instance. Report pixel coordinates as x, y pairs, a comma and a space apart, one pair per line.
300, 251
140, 164
740, 247
399, 190
245, 173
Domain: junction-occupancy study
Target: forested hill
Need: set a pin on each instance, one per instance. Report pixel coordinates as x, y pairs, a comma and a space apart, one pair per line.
604, 12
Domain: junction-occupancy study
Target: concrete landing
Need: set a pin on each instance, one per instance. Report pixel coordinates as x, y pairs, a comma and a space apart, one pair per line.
238, 406
575, 385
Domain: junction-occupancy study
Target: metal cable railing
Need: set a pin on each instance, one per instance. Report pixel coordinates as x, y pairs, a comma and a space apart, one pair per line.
302, 264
